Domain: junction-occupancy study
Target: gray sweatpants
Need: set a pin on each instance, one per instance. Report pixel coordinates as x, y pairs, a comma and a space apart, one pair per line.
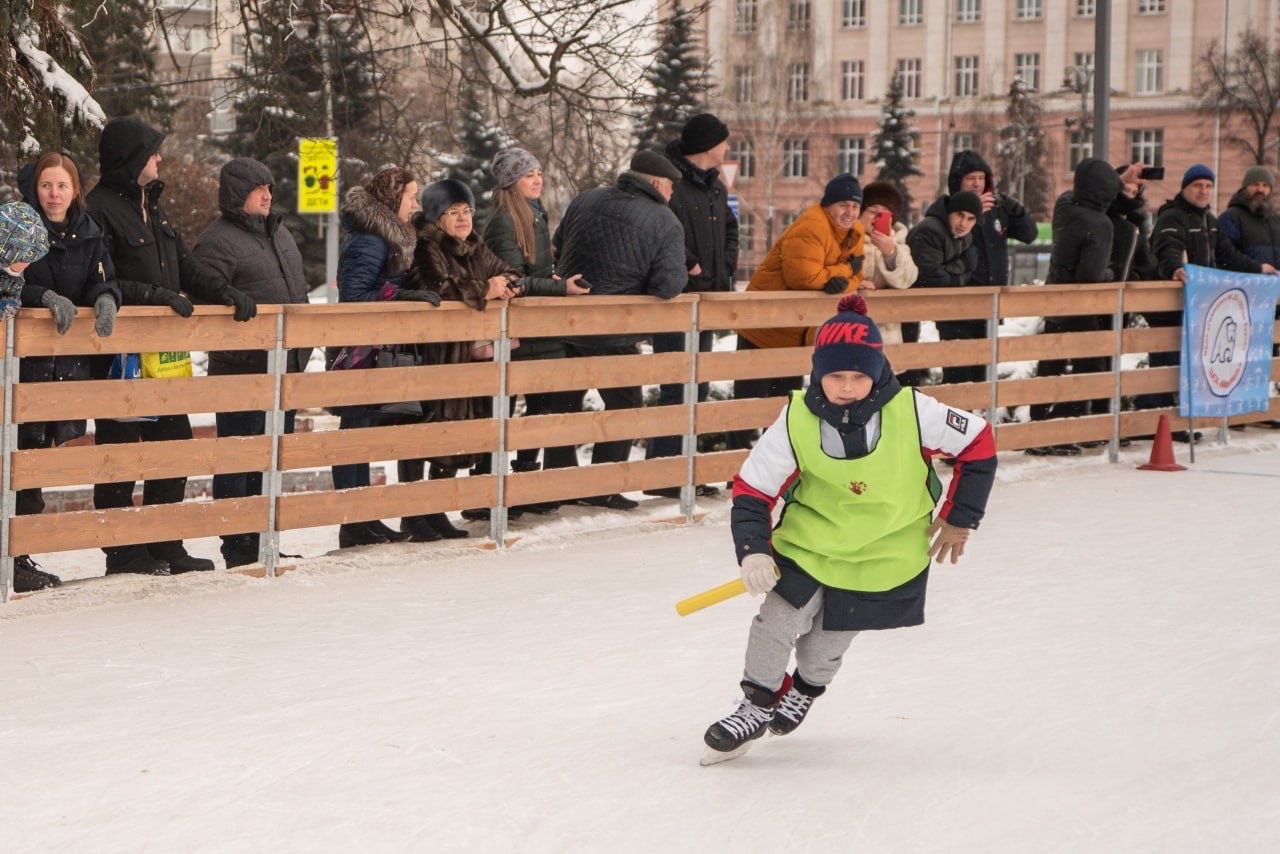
778, 628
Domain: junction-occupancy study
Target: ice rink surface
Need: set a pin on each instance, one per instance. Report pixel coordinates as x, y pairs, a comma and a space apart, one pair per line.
1099, 674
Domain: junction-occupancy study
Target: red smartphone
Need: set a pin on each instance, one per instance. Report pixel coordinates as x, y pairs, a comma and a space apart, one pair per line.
883, 222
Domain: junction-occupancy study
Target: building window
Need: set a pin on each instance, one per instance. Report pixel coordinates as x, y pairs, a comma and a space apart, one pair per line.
851, 80
968, 11
1086, 8
909, 72
1150, 70
1150, 7
1027, 10
1146, 146
1079, 147
1027, 66
966, 77
747, 232
797, 15
1084, 59
744, 152
853, 13
795, 158
798, 82
744, 16
910, 11
851, 155
962, 142
744, 83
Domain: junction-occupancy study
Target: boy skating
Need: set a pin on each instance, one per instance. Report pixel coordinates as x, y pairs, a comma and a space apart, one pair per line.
850, 459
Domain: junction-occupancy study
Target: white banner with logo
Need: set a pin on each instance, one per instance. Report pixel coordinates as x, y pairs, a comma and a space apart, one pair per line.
1227, 329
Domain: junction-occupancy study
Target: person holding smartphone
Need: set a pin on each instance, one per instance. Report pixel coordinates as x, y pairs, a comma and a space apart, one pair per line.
887, 261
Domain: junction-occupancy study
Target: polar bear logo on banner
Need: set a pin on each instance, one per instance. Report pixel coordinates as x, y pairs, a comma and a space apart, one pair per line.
1224, 346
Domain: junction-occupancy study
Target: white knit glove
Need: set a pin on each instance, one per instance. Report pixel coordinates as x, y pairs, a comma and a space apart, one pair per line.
759, 573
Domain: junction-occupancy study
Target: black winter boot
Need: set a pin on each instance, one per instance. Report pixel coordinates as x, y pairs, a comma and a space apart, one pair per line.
29, 577
440, 522
419, 529
392, 535
178, 558
354, 534
134, 559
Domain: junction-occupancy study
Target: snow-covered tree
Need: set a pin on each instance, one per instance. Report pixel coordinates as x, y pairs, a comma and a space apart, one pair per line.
118, 38
676, 80
45, 79
895, 146
478, 141
1021, 151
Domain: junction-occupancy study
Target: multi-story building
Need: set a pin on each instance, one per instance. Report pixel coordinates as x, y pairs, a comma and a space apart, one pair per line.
803, 81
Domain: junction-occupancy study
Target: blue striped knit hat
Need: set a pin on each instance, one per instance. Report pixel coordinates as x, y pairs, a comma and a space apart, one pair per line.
22, 234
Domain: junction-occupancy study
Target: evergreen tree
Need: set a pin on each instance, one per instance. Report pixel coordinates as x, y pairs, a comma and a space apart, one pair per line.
677, 80
479, 141
280, 98
896, 151
118, 38
44, 100
1021, 151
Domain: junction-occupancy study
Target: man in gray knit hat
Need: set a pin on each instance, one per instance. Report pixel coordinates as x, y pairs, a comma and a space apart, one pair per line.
1252, 224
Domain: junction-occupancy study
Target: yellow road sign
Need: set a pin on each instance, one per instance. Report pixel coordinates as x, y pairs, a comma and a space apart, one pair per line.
317, 175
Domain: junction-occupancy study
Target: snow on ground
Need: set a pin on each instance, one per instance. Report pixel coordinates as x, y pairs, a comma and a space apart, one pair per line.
1098, 674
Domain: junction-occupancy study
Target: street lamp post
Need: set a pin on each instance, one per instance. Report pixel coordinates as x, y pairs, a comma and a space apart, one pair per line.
331, 219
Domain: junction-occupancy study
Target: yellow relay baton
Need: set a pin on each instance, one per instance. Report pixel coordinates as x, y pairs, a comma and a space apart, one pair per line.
714, 596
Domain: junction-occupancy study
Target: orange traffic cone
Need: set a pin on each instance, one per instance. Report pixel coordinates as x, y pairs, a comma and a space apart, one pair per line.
1162, 450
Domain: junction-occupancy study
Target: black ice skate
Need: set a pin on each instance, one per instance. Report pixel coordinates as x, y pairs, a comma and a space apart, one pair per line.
731, 736
794, 704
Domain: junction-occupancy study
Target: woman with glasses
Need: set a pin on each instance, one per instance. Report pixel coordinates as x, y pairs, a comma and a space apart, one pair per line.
452, 261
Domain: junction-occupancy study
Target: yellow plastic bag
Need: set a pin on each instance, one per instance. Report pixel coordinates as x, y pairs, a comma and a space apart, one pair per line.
176, 363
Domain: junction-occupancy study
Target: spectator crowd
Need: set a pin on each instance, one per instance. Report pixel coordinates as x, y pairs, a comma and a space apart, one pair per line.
664, 227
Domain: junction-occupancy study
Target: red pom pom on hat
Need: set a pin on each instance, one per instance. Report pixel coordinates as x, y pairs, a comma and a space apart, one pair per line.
852, 302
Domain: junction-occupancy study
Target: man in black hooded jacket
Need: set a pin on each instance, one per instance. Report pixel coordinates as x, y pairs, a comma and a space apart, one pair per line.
153, 268
1082, 238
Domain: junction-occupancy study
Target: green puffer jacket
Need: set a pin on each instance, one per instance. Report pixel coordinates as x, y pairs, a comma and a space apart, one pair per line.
500, 237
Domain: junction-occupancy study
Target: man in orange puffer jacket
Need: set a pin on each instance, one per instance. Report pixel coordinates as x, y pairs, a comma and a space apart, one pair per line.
820, 251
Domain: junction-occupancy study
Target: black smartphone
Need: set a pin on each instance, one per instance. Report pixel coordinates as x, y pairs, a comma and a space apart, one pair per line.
1152, 173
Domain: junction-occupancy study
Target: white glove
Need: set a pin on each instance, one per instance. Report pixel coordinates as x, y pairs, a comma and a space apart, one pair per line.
759, 573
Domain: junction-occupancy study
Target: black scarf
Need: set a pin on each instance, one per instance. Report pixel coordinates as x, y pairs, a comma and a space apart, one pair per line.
851, 421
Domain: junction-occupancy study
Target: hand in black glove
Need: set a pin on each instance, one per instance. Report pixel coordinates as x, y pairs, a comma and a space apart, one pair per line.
855, 264
104, 315
246, 308
415, 295
64, 310
176, 301
836, 285
1012, 207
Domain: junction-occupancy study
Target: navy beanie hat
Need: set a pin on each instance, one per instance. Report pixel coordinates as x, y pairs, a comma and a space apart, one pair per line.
842, 188
967, 201
1196, 173
437, 198
702, 133
850, 341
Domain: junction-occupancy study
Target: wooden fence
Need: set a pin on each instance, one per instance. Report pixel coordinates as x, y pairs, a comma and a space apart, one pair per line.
277, 328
